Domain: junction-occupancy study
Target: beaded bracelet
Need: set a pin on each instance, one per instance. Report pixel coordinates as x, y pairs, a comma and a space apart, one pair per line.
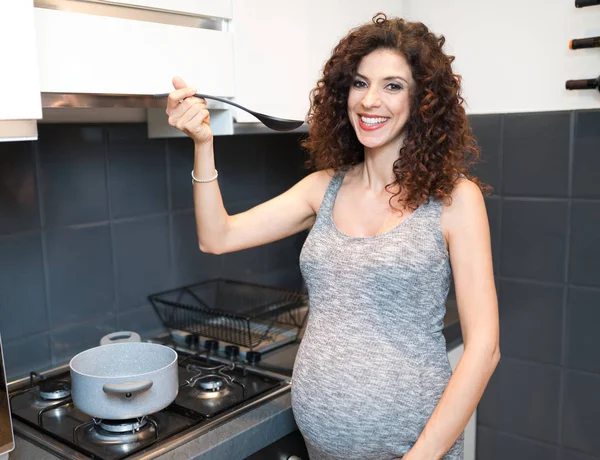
204, 181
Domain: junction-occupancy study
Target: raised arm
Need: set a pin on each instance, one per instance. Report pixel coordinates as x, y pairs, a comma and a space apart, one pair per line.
218, 232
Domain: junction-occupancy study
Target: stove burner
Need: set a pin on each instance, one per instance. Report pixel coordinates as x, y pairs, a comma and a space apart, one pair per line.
123, 435
202, 393
54, 389
122, 426
211, 385
211, 382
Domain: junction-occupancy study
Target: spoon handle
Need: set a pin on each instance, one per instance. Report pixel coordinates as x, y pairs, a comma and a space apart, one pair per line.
214, 98
278, 124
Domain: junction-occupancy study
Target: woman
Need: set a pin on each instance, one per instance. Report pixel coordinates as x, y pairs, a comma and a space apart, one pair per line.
393, 214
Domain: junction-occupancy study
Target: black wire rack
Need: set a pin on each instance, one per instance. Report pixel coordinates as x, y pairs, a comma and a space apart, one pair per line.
240, 313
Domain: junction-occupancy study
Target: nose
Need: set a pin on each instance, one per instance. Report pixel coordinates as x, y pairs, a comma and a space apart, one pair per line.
371, 98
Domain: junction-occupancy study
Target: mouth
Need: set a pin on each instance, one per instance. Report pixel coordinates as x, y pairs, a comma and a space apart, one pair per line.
371, 123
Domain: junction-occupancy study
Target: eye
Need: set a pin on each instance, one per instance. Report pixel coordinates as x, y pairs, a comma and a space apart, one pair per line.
394, 86
359, 84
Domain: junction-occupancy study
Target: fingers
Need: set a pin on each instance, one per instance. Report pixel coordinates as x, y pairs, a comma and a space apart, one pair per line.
189, 115
178, 83
180, 110
186, 112
196, 124
176, 96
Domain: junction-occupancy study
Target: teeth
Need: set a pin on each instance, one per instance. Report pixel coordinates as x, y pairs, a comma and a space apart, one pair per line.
373, 121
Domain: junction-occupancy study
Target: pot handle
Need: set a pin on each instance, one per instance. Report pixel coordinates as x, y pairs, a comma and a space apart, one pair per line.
121, 336
127, 388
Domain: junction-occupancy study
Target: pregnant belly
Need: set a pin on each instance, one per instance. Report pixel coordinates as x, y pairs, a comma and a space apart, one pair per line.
374, 407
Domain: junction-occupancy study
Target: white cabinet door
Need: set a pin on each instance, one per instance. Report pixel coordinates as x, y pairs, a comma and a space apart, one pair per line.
209, 8
271, 55
19, 78
81, 53
280, 48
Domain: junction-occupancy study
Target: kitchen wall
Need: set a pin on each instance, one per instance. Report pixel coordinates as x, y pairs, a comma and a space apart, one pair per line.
94, 218
513, 55
542, 401
542, 154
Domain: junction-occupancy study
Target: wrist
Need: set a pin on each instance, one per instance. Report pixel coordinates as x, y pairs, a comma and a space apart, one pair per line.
422, 452
423, 449
203, 148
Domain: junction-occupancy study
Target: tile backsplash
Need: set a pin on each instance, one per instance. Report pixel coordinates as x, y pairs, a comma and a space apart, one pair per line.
542, 401
94, 218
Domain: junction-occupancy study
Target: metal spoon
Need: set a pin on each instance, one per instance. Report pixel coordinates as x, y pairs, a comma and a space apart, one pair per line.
277, 124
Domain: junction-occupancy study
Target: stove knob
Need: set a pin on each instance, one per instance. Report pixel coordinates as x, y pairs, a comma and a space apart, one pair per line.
253, 357
232, 352
211, 345
192, 339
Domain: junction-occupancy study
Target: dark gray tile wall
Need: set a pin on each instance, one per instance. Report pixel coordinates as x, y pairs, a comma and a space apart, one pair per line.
496, 445
542, 402
94, 218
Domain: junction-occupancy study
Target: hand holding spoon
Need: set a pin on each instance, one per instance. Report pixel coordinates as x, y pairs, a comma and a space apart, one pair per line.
277, 124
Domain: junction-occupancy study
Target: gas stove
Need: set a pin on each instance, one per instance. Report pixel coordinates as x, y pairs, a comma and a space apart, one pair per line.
212, 389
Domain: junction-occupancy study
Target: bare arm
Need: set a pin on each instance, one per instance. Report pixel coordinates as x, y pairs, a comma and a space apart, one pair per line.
467, 233
218, 232
284, 215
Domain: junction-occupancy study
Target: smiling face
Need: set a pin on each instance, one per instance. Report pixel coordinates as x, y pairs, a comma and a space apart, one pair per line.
378, 101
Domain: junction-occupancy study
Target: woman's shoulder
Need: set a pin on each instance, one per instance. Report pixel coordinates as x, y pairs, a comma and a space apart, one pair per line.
466, 204
315, 185
320, 179
465, 194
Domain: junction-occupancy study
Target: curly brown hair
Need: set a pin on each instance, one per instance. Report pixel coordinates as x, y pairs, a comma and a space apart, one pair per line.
439, 145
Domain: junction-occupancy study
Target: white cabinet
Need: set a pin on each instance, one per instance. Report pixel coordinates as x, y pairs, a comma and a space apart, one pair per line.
19, 79
209, 8
271, 55
470, 431
83, 53
280, 48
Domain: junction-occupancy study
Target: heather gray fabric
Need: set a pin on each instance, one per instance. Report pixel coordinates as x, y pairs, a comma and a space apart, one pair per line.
372, 365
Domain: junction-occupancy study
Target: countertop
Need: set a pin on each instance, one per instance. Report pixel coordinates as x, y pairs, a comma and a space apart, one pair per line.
255, 429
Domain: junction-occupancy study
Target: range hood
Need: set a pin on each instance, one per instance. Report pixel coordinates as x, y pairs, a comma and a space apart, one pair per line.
101, 101
124, 108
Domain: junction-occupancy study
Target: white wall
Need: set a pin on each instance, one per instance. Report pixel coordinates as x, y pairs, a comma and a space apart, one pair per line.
331, 20
280, 48
513, 55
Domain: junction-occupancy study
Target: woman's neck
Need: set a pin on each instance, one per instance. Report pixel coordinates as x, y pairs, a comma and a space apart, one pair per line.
378, 168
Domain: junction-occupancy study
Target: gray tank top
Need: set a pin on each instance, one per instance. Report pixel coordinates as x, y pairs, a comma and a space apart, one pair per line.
372, 365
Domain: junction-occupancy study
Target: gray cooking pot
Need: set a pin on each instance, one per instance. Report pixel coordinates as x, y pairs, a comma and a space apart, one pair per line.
124, 380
